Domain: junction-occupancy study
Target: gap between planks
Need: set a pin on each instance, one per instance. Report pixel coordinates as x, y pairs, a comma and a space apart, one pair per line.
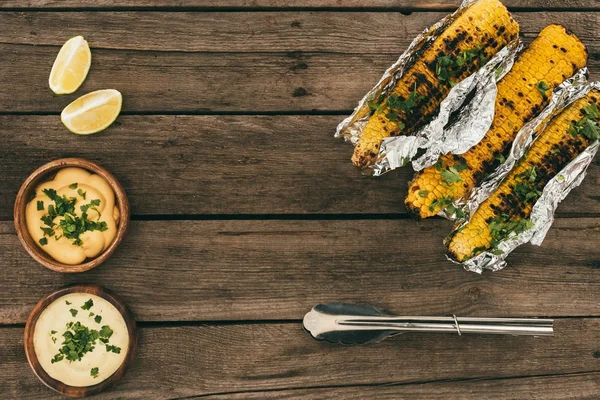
386, 385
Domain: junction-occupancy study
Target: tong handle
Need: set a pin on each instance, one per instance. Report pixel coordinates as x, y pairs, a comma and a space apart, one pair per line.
361, 324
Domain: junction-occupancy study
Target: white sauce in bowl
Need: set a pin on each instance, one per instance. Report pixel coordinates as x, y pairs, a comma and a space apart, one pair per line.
94, 366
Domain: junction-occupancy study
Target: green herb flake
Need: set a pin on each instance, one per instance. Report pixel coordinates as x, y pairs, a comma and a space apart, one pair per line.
451, 175
58, 357
442, 202
500, 158
68, 302
53, 332
43, 241
504, 226
423, 193
87, 305
542, 87
105, 331
73, 311
40, 205
448, 68
398, 104
78, 341
114, 349
94, 372
71, 225
98, 319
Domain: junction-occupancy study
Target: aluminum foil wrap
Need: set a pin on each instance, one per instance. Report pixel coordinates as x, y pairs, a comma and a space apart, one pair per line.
396, 153
474, 119
542, 214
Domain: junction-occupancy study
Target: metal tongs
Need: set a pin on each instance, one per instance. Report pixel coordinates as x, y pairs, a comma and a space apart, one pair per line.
357, 323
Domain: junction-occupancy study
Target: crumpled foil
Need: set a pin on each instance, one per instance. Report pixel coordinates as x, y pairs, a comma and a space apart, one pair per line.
542, 214
471, 125
351, 128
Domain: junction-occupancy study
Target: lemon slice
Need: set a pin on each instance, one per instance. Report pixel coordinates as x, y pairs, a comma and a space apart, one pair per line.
92, 112
71, 66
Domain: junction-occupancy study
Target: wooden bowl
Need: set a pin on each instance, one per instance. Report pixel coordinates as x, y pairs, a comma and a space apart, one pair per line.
27, 193
72, 391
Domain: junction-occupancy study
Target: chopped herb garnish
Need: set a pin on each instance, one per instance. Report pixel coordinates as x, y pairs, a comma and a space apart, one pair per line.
73, 311
98, 319
452, 174
588, 125
40, 205
443, 202
43, 241
542, 87
73, 185
460, 214
448, 68
53, 339
48, 220
48, 231
68, 302
87, 305
478, 250
526, 189
58, 357
423, 193
80, 340
500, 158
72, 225
53, 332
106, 332
114, 349
94, 372
438, 165
502, 227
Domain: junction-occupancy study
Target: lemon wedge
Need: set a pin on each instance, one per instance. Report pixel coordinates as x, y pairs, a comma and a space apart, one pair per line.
71, 66
92, 112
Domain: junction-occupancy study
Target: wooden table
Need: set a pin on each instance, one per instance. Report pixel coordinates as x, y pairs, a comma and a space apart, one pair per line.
247, 212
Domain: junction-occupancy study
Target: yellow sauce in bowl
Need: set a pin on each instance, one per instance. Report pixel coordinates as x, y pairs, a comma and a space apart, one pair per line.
73, 217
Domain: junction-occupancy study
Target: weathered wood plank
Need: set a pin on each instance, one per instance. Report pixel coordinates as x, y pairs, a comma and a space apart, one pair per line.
272, 270
253, 4
241, 62
584, 386
224, 165
186, 361
231, 32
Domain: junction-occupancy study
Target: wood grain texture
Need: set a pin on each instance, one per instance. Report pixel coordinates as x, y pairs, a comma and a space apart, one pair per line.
273, 270
254, 4
585, 386
226, 62
225, 165
192, 361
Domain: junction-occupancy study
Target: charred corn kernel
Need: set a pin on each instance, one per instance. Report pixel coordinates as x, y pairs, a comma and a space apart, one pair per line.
551, 58
470, 41
508, 208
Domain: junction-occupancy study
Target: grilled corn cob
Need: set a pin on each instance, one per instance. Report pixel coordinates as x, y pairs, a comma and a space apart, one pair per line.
553, 56
507, 210
468, 43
